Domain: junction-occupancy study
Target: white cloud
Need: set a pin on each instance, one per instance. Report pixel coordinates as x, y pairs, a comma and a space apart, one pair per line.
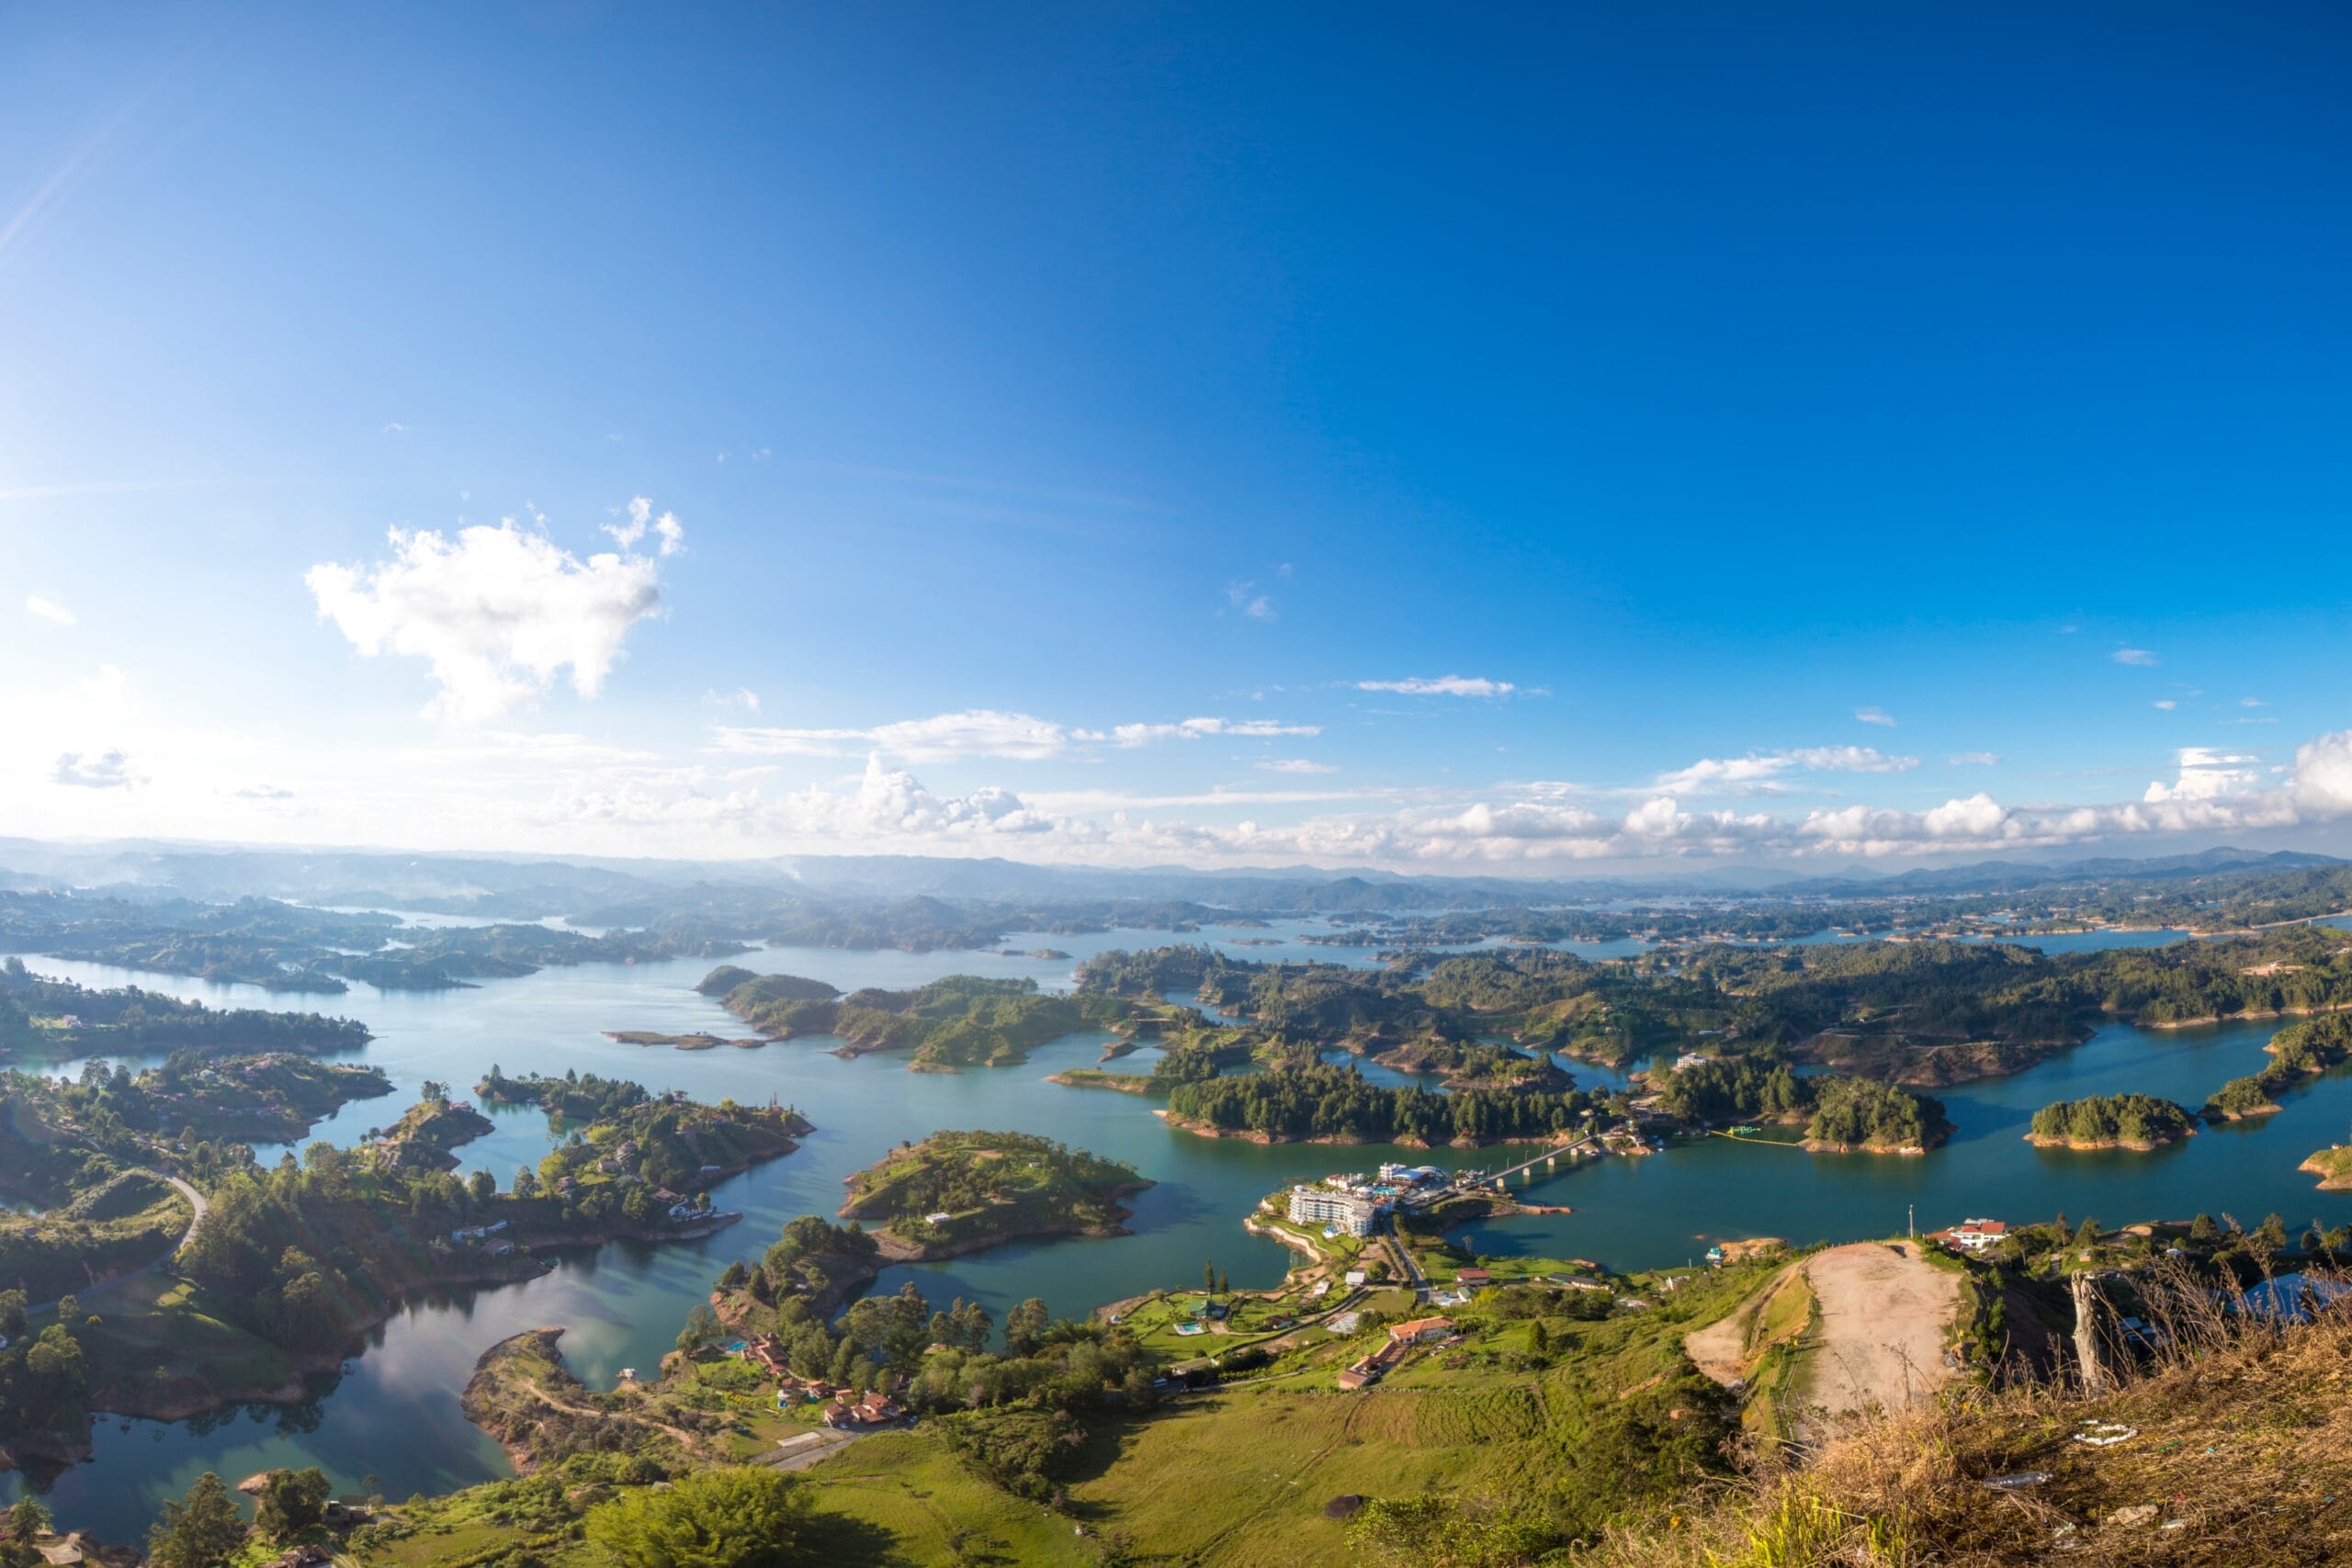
1130, 735
1975, 758
1296, 765
2166, 704
496, 613
2252, 702
103, 770
263, 791
2206, 774
1245, 598
666, 527
2133, 656
1874, 715
984, 732
741, 698
1441, 686
44, 608
1757, 772
974, 732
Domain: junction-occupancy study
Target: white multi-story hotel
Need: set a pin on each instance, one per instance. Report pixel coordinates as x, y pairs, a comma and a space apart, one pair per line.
1317, 1206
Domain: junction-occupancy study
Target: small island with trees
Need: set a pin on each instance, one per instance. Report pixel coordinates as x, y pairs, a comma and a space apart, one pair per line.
963, 1020
957, 1192
2136, 1121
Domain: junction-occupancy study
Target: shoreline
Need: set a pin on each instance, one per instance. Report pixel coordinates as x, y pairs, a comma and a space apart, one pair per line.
2246, 1017
2093, 1146
1246, 1135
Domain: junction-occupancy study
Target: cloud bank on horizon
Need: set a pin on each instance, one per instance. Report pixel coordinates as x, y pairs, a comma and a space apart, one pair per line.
499, 621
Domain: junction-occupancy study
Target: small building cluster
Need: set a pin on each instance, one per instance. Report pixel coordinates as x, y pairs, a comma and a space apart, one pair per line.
843, 1406
1972, 1235
1402, 1337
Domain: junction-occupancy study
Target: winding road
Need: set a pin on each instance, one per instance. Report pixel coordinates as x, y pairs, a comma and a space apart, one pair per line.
196, 1223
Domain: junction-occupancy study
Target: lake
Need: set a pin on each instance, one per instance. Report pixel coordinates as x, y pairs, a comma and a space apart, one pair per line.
393, 1417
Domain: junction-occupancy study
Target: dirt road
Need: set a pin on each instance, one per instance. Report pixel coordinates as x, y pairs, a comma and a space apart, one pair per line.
195, 1223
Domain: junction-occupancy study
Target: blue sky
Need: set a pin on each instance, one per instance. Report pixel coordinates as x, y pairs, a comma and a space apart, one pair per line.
1723, 382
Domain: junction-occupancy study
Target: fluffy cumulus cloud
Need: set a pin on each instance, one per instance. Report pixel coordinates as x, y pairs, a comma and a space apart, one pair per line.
44, 608
2206, 774
984, 732
1760, 773
1441, 686
497, 614
94, 770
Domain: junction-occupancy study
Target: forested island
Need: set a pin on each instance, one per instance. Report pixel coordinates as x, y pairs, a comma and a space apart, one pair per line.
960, 1021
46, 1019
1840, 1114
955, 1192
274, 1097
2109, 1121
2298, 1052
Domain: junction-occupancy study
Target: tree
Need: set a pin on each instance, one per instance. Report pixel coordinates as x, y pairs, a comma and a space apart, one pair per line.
743, 1516
202, 1530
2087, 1236
1224, 1283
1208, 1278
2269, 1236
292, 1502
28, 1520
526, 1182
482, 1185
1024, 1327
701, 1330
2203, 1231
736, 1277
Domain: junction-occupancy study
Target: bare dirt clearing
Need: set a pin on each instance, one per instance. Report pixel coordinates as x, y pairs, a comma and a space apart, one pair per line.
1885, 1316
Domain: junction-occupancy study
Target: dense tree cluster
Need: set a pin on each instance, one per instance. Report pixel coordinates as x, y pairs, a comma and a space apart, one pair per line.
2112, 1119
576, 1096
1866, 1114
1732, 1089
1335, 1102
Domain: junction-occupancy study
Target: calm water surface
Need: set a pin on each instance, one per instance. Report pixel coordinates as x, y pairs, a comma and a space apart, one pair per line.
393, 1416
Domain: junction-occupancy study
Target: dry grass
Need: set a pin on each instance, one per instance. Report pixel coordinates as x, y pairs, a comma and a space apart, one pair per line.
2240, 1454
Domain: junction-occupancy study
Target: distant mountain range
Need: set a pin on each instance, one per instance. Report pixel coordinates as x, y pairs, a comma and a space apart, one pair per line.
530, 886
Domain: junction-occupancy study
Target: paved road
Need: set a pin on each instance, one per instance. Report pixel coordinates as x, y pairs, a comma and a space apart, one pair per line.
195, 1223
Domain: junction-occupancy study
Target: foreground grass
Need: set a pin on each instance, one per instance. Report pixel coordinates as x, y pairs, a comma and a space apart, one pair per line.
2236, 1449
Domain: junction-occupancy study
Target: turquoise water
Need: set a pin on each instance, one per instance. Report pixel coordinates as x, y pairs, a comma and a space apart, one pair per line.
393, 1415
